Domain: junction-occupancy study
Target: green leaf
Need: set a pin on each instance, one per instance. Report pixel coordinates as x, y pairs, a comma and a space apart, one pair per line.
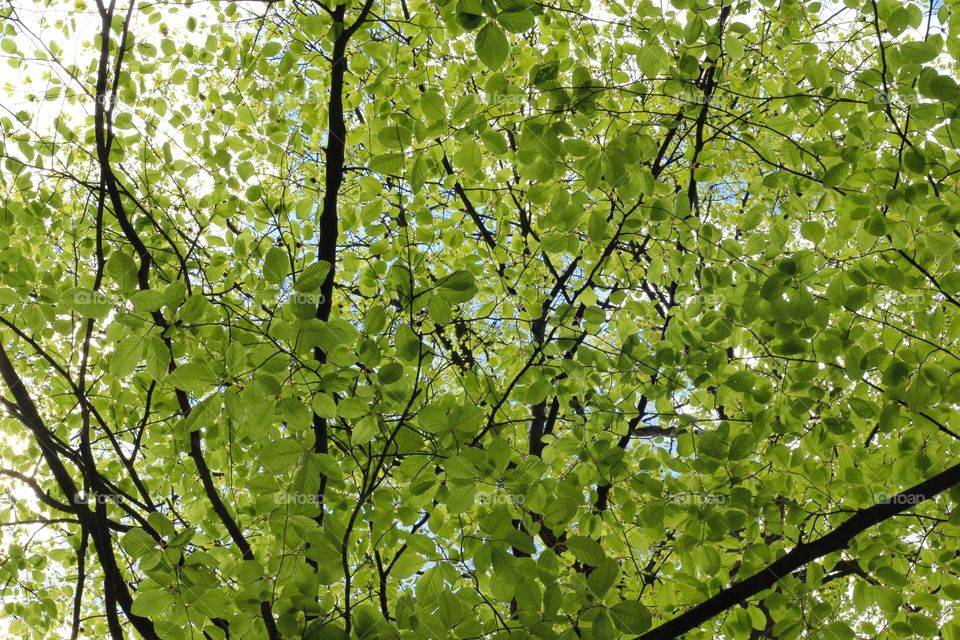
603, 577
789, 346
818, 73
896, 373
898, 21
126, 356
922, 51
651, 59
469, 21
631, 617
742, 381
602, 626
469, 158
325, 630
492, 46
153, 602
470, 14
279, 455
950, 282
390, 372
276, 265
389, 163
137, 542
433, 105
195, 307
147, 301
514, 5
161, 523
813, 231
494, 142
407, 343
528, 596
313, 276
922, 625
597, 226
941, 87
195, 376
835, 175
324, 405
375, 319
856, 298
586, 549
516, 21
544, 75
914, 161
122, 269
157, 356
459, 286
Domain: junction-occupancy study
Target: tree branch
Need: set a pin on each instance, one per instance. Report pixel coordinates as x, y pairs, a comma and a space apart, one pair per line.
803, 554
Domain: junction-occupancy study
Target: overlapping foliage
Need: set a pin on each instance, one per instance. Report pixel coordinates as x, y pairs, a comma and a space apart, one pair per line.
480, 319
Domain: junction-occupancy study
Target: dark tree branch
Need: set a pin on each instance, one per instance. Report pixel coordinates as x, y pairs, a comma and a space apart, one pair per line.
803, 554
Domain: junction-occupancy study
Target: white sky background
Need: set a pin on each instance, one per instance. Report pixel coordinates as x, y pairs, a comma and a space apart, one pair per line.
19, 83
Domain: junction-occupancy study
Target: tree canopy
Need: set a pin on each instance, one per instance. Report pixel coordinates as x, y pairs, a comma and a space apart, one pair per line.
480, 319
